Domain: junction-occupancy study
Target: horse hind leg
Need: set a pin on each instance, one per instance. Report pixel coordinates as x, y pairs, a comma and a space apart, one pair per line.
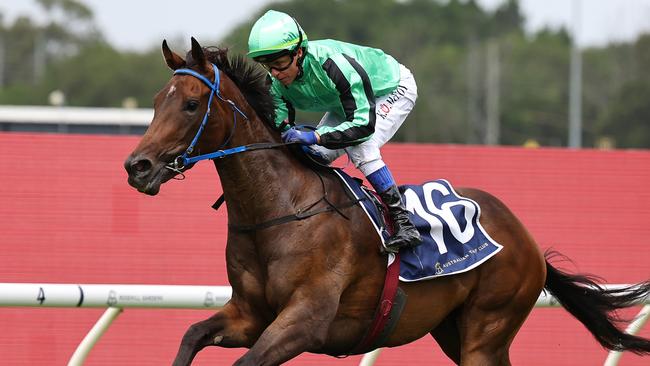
489, 321
447, 336
493, 314
484, 343
507, 287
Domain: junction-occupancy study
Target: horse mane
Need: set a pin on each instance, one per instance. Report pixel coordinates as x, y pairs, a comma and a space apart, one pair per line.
254, 83
251, 80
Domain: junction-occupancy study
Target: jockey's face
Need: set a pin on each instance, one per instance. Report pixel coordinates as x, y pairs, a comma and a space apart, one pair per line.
284, 68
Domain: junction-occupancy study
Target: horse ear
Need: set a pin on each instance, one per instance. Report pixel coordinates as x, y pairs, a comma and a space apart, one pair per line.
199, 56
173, 60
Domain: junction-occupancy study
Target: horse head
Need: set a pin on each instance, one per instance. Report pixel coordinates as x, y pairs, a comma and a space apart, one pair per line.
183, 111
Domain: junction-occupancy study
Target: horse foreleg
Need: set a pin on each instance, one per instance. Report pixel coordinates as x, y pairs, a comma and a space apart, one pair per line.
300, 327
227, 328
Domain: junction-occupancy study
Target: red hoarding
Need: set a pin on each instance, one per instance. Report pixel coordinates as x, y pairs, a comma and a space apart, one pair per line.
67, 215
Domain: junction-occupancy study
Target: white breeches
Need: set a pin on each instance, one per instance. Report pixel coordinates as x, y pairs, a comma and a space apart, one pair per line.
391, 111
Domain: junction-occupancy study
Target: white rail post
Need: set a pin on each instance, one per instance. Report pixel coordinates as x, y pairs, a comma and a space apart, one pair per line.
93, 336
370, 358
633, 328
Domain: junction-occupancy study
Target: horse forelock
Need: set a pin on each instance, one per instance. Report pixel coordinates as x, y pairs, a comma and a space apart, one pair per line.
251, 80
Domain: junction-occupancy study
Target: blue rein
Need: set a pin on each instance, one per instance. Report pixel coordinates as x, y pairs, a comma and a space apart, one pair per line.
184, 160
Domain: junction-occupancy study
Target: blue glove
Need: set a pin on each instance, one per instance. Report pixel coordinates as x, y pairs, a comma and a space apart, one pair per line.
302, 137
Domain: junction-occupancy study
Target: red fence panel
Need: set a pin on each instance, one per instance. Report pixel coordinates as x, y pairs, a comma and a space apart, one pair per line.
67, 215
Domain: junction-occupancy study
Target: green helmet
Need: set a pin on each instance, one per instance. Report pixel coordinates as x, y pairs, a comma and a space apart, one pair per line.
275, 34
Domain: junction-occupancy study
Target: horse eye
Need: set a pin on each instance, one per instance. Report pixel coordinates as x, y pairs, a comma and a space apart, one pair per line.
191, 105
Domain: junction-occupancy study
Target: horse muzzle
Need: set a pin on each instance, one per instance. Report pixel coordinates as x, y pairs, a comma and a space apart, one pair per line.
145, 175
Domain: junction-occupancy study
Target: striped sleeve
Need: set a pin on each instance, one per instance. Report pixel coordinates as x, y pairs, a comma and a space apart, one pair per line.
357, 100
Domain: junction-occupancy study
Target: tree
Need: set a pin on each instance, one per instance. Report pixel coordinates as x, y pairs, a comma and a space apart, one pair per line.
444, 43
68, 27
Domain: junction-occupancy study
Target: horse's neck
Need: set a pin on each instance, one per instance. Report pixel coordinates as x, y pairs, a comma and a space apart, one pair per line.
263, 184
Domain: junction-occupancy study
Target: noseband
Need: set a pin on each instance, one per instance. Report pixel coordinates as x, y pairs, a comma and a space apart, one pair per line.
184, 160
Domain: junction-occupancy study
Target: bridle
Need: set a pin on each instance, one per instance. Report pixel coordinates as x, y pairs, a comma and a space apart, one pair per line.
184, 160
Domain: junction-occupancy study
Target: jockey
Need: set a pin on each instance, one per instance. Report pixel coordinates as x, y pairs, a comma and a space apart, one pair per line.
366, 96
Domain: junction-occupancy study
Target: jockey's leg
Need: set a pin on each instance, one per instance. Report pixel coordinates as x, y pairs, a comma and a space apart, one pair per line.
405, 235
368, 159
391, 112
227, 328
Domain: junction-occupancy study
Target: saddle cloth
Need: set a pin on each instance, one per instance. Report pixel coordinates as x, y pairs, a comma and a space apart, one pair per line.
453, 239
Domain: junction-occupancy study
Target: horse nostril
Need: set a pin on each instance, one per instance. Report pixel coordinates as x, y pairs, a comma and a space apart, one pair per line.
139, 167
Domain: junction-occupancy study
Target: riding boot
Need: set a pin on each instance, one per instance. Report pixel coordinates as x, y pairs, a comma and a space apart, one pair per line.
405, 235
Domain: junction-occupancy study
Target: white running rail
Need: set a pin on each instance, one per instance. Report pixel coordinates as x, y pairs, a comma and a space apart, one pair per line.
75, 115
117, 297
114, 298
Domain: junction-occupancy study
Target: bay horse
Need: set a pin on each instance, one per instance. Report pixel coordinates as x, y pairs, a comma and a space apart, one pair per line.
313, 285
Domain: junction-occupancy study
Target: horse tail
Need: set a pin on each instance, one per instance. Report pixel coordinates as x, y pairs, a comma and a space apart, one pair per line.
595, 306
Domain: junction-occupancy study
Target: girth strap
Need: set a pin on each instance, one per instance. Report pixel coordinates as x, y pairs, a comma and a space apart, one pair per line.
219, 202
299, 215
388, 312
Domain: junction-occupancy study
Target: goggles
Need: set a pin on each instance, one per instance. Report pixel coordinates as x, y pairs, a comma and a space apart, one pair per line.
279, 64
